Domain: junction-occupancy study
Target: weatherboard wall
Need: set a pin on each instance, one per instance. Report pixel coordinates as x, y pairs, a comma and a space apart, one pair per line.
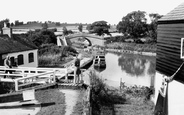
168, 48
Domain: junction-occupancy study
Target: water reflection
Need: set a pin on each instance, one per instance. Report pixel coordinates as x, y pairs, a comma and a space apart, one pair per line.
133, 69
135, 65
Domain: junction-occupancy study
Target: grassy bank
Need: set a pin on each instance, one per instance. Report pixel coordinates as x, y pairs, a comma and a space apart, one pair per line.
50, 55
53, 102
132, 47
108, 100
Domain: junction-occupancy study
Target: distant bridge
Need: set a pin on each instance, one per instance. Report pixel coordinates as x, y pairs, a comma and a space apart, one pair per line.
91, 38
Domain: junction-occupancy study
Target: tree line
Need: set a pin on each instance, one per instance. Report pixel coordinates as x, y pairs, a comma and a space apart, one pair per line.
133, 25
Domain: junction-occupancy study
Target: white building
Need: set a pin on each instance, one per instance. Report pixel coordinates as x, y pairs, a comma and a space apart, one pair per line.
21, 50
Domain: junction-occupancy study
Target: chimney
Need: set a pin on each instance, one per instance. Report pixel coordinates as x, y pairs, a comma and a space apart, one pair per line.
6, 30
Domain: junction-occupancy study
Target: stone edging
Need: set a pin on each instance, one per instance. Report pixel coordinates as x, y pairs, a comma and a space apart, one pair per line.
132, 52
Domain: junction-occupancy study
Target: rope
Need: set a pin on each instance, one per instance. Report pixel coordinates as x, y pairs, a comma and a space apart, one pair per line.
169, 79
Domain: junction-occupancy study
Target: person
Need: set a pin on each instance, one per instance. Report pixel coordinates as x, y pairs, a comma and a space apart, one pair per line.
8, 65
77, 69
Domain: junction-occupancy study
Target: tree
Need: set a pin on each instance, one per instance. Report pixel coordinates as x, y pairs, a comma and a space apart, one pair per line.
89, 27
65, 31
42, 37
133, 24
45, 25
80, 27
58, 24
2, 23
152, 27
100, 27
17, 23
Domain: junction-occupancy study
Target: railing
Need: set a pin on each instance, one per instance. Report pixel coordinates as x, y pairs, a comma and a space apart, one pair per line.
24, 76
47, 77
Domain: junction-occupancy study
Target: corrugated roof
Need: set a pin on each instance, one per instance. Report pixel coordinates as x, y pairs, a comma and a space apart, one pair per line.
9, 45
175, 14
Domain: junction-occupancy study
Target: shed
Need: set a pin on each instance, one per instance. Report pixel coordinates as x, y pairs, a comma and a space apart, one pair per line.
170, 30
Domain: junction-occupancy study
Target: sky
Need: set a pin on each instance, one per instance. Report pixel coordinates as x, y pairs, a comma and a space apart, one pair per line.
80, 11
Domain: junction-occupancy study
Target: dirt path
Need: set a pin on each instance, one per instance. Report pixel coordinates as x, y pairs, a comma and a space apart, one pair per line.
71, 97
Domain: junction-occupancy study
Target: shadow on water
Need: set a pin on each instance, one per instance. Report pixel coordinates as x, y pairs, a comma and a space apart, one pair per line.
98, 69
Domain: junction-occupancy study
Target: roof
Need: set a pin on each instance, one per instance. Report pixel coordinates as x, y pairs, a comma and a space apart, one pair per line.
10, 45
175, 14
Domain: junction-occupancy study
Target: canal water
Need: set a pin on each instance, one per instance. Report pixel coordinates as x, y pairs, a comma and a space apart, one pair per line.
133, 69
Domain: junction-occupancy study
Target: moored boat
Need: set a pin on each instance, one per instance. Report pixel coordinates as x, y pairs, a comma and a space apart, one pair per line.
99, 61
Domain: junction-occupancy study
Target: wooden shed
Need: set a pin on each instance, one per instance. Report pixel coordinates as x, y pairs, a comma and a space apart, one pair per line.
170, 32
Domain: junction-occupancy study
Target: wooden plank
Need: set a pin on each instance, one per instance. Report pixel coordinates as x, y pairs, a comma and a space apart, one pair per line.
171, 25
171, 60
168, 33
168, 52
167, 49
171, 28
38, 80
168, 43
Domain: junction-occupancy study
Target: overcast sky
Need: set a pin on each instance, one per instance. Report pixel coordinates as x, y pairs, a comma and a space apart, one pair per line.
80, 11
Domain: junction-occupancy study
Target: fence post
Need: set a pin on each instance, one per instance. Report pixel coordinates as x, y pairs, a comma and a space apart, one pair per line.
66, 75
54, 76
16, 85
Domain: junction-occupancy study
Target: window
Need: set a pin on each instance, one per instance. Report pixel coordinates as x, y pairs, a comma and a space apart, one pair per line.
182, 49
20, 59
31, 57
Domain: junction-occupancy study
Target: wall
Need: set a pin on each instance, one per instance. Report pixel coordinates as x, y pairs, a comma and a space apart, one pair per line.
168, 48
175, 95
25, 55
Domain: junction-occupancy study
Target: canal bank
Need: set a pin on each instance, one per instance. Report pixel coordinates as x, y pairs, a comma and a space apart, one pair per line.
131, 52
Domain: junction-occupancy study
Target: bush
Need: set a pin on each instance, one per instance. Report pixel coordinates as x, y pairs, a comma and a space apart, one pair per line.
101, 96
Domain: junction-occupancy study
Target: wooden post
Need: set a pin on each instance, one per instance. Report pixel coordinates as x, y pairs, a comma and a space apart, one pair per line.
16, 85
54, 77
66, 75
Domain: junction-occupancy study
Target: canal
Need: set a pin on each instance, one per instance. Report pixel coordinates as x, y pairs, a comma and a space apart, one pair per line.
133, 69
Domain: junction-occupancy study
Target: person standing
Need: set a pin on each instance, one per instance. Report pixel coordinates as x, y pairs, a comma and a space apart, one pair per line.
8, 65
77, 69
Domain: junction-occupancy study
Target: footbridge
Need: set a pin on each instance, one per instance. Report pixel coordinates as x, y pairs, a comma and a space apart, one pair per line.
91, 38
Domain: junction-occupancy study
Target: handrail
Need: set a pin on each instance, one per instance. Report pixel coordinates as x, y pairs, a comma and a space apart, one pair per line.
41, 74
34, 76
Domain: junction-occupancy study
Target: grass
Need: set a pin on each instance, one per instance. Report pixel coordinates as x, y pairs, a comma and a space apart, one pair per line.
131, 101
53, 102
53, 56
132, 47
53, 60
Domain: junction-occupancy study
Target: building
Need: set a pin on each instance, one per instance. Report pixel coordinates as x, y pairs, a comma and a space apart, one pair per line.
169, 38
20, 49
